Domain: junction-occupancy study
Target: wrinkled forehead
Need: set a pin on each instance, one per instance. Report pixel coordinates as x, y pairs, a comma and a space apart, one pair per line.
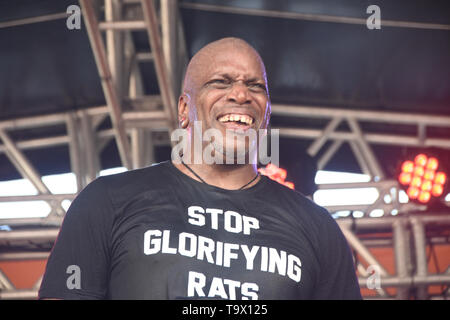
236, 63
235, 60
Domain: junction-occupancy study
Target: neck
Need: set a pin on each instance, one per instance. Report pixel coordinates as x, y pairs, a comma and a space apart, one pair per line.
225, 176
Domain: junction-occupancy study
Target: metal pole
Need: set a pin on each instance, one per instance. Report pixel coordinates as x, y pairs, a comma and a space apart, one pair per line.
18, 294
74, 150
5, 283
26, 21
310, 17
384, 139
42, 197
362, 250
325, 158
122, 25
91, 158
401, 252
169, 9
320, 141
137, 148
26, 167
359, 157
114, 45
366, 150
360, 115
364, 274
421, 255
410, 281
135, 86
165, 85
40, 234
49, 221
108, 85
27, 170
15, 256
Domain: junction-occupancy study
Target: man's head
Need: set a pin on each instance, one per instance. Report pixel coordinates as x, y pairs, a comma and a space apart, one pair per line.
225, 88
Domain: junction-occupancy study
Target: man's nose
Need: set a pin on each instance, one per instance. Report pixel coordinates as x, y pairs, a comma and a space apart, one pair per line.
239, 94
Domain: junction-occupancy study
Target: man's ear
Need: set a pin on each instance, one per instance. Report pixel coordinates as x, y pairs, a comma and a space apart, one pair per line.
183, 109
183, 105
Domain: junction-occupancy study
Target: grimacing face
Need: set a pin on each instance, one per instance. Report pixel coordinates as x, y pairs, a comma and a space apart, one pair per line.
229, 92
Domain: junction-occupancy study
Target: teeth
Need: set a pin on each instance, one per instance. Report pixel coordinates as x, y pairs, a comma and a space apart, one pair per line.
236, 118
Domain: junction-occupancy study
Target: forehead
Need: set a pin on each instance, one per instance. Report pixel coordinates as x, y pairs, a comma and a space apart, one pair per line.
235, 62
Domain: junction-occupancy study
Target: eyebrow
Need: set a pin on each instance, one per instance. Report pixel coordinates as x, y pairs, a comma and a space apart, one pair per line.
229, 77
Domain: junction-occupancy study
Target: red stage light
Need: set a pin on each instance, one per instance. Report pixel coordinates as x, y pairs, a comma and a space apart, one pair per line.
437, 190
416, 182
427, 185
424, 197
413, 192
440, 178
289, 184
419, 171
420, 179
429, 175
277, 174
405, 178
432, 164
420, 160
408, 166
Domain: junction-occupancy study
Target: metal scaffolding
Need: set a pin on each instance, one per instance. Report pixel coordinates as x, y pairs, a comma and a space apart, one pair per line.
139, 122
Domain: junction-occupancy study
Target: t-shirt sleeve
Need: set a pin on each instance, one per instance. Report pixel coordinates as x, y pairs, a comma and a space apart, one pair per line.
78, 265
337, 279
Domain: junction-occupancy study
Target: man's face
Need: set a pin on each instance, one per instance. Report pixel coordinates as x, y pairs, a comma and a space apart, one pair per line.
231, 94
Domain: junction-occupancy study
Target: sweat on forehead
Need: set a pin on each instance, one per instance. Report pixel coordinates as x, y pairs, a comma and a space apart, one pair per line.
206, 55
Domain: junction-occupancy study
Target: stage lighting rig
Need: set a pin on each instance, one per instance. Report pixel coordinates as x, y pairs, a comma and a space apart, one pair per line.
423, 178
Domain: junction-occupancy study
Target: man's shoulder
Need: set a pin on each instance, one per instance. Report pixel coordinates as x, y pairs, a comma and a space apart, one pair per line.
144, 175
283, 192
125, 184
303, 205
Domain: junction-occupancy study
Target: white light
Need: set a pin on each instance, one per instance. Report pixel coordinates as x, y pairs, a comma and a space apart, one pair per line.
108, 172
376, 213
24, 209
394, 212
403, 197
61, 183
339, 177
447, 197
341, 197
387, 198
66, 204
57, 184
358, 214
20, 187
344, 213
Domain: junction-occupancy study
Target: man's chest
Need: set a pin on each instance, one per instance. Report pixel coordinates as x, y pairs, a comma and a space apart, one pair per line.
203, 250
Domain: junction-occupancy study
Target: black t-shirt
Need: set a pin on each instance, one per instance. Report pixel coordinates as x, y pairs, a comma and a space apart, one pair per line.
155, 233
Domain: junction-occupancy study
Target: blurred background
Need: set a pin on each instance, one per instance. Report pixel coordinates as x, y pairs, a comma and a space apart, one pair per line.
360, 94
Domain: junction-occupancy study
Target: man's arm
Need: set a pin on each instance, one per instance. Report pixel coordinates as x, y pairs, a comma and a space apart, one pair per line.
338, 280
78, 265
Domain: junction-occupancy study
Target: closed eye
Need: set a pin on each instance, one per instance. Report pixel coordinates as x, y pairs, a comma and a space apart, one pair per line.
257, 87
219, 82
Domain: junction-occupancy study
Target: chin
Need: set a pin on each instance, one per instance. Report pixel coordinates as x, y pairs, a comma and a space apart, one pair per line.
239, 155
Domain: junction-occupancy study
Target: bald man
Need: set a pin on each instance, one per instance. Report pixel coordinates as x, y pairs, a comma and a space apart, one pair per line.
195, 229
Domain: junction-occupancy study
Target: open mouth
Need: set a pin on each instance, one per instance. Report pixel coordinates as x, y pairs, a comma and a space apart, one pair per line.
236, 120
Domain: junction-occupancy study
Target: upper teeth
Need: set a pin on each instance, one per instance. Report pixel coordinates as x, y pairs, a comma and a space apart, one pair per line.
236, 117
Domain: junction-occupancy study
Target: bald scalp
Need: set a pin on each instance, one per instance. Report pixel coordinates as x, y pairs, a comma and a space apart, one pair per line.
205, 56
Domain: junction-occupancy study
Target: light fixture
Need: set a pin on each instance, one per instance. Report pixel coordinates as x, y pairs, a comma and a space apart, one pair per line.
421, 178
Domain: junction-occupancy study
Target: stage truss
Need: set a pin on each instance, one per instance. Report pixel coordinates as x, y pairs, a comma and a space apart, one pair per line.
140, 122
